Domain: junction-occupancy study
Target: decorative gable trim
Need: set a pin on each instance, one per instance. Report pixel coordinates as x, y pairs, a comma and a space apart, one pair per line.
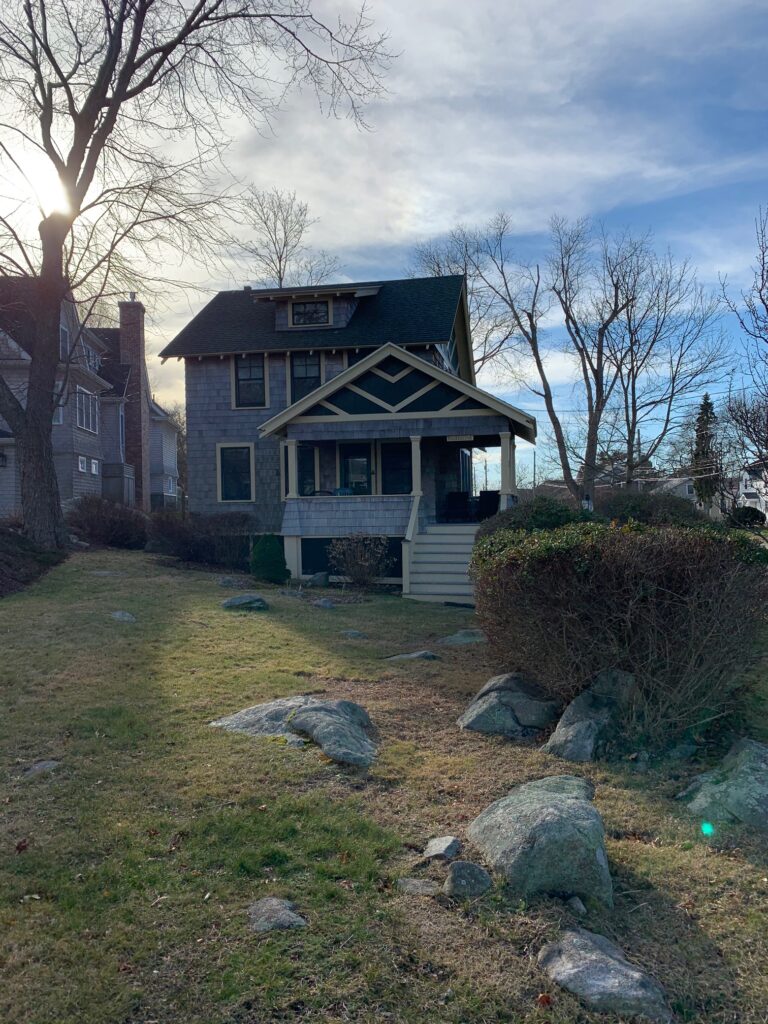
410, 388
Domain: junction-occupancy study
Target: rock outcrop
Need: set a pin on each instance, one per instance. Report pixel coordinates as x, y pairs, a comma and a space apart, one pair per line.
736, 791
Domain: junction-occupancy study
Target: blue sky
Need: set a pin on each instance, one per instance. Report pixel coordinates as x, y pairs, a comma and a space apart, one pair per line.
651, 115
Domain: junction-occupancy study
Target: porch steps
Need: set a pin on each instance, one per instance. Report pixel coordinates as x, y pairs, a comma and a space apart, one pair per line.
439, 562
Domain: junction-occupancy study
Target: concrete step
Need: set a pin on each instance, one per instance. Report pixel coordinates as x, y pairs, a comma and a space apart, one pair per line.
444, 543
465, 528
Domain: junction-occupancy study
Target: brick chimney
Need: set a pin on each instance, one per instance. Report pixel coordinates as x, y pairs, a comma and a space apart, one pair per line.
137, 418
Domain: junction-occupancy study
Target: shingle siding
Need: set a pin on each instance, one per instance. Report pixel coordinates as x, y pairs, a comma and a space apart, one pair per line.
381, 515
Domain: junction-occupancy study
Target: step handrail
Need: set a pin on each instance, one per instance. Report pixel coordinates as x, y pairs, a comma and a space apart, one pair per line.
410, 532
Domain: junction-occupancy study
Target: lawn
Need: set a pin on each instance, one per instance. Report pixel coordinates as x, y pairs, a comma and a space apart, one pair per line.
126, 872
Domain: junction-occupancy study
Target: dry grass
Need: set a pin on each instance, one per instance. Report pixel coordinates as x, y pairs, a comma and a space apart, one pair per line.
147, 844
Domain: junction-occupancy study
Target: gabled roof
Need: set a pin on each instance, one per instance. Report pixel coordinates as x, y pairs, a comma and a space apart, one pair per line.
412, 311
392, 381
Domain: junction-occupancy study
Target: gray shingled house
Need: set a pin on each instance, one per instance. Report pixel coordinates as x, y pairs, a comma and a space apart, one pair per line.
347, 408
110, 438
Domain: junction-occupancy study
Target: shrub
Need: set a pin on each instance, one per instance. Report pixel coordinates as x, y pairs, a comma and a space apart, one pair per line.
747, 517
651, 507
360, 558
101, 521
539, 513
680, 609
268, 560
223, 539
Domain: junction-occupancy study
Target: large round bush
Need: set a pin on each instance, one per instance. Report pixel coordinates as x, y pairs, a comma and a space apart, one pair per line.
651, 507
681, 609
539, 513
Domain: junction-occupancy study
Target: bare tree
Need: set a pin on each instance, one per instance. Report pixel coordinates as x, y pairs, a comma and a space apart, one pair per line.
490, 321
277, 248
93, 92
666, 346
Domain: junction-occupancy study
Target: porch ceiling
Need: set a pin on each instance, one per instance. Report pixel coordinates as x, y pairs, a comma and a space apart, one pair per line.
392, 384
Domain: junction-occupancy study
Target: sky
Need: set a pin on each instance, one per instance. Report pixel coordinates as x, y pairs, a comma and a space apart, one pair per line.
649, 115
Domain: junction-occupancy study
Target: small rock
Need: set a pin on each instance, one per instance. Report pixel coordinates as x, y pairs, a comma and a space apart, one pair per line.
40, 768
416, 656
596, 971
418, 886
442, 848
546, 837
466, 880
272, 914
319, 579
324, 602
576, 907
737, 790
123, 617
464, 636
353, 634
246, 603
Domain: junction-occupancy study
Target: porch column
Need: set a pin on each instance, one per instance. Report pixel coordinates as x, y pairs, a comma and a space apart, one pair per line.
416, 466
293, 468
508, 482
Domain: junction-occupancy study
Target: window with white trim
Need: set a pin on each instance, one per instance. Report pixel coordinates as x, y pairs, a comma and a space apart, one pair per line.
305, 374
170, 485
92, 358
82, 463
95, 467
63, 343
87, 411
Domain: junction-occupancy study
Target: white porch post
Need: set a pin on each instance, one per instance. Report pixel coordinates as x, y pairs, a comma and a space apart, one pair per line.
293, 468
508, 482
416, 466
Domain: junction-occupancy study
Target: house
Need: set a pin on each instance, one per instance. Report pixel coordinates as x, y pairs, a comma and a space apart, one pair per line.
109, 437
752, 489
338, 409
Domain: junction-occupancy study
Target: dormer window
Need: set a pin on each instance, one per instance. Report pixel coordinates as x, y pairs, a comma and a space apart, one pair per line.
316, 313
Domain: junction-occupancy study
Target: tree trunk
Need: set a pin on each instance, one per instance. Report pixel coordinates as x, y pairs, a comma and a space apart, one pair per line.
41, 507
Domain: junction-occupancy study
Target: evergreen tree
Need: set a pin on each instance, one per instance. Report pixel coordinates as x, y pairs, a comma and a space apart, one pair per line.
705, 464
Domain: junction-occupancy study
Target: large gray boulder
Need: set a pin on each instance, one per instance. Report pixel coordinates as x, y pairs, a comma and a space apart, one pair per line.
509, 705
590, 721
737, 790
596, 971
273, 914
246, 603
339, 727
546, 837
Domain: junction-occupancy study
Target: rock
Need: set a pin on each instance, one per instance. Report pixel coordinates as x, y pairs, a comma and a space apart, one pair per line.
339, 728
509, 705
75, 542
271, 914
596, 971
123, 617
466, 880
442, 848
40, 768
546, 837
246, 603
591, 719
418, 886
576, 907
736, 791
416, 656
464, 636
353, 634
323, 602
319, 579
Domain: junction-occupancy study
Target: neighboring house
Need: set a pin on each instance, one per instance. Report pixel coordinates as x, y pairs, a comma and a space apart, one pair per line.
347, 408
753, 487
106, 428
679, 486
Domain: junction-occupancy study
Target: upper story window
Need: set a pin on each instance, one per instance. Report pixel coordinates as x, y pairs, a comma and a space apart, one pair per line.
63, 343
92, 358
250, 381
305, 374
316, 313
87, 411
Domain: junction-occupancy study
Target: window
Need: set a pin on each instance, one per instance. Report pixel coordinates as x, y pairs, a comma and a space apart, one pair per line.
310, 314
63, 344
355, 468
170, 485
305, 374
92, 358
87, 411
396, 468
305, 457
250, 381
95, 467
235, 472
82, 463
122, 431
691, 489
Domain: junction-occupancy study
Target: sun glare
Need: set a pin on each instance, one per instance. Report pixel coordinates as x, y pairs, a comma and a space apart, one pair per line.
45, 188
